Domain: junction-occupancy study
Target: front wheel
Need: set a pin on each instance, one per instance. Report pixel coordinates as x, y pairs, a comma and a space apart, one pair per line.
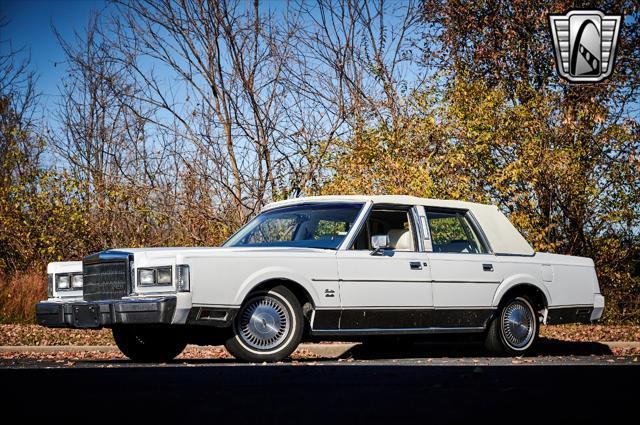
514, 330
148, 344
268, 327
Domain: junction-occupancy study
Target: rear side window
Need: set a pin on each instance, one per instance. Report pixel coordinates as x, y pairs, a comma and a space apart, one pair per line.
452, 232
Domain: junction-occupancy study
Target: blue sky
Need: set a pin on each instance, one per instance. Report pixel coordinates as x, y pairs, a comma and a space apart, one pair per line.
29, 26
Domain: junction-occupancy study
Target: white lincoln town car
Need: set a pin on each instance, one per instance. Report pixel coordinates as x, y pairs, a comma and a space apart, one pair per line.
330, 267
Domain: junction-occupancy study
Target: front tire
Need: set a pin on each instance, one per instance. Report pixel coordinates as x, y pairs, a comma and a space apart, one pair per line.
147, 345
268, 326
514, 330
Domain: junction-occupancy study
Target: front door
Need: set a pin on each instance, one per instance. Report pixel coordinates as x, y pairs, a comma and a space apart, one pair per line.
390, 290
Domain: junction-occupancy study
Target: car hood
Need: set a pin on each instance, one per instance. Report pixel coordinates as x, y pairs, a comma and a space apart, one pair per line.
167, 252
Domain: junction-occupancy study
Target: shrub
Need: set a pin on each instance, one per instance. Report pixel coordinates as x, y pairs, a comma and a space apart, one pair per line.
19, 294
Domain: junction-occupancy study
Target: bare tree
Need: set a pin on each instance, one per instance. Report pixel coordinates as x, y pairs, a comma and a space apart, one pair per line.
352, 68
20, 150
219, 107
103, 139
259, 95
218, 71
102, 133
364, 51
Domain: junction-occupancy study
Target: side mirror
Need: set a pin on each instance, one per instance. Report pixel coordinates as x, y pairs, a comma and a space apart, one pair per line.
379, 243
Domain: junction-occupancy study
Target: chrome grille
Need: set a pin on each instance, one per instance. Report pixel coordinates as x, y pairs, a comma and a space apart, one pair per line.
106, 276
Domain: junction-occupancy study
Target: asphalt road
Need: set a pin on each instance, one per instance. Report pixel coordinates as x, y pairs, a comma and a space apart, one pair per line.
366, 388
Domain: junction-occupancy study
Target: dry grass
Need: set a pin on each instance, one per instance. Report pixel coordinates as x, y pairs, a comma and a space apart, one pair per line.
39, 335
190, 353
592, 333
19, 294
21, 335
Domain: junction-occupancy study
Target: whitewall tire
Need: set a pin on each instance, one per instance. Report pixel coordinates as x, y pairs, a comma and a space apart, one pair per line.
268, 327
515, 328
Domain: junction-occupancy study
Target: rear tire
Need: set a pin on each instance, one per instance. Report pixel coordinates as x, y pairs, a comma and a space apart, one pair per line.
515, 329
148, 345
268, 326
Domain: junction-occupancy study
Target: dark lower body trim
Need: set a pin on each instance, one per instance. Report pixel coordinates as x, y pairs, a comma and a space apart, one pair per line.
400, 321
98, 314
402, 331
573, 314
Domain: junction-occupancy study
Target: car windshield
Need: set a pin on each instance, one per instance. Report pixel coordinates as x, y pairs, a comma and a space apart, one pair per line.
320, 225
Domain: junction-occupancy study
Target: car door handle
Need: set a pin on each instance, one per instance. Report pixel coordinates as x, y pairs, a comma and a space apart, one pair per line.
415, 265
487, 267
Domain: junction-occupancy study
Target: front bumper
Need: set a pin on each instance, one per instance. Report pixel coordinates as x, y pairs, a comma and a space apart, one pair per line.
97, 314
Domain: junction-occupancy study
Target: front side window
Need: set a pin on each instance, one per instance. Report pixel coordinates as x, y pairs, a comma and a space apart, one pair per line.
320, 225
395, 223
452, 232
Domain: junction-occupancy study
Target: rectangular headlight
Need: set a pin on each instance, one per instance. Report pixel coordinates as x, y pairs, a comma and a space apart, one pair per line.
163, 276
146, 276
63, 281
76, 281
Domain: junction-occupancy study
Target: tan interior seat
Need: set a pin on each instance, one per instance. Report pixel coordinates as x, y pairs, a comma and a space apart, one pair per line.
400, 240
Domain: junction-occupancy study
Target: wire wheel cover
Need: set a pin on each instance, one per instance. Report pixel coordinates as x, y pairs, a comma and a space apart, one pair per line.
518, 324
264, 323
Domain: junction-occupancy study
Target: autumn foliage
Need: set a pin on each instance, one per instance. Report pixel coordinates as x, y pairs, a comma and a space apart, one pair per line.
433, 98
562, 161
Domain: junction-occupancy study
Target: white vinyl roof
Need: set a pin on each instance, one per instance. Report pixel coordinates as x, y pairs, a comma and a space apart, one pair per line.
502, 236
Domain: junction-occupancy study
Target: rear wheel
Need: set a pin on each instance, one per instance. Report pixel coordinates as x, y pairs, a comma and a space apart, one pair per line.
514, 330
148, 344
268, 327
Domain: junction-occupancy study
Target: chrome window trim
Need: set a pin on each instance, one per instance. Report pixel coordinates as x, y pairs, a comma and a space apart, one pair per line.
360, 222
362, 204
418, 232
423, 223
355, 230
475, 225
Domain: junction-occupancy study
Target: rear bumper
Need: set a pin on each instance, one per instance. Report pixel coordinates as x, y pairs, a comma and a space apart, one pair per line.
562, 315
97, 314
598, 307
577, 314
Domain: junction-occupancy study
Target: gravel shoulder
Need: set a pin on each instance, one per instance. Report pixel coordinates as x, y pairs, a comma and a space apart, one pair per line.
23, 344
11, 334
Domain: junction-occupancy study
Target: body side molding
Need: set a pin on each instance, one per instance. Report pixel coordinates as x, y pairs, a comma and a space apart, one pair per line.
405, 319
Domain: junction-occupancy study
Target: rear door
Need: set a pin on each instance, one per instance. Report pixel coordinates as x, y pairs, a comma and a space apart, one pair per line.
465, 273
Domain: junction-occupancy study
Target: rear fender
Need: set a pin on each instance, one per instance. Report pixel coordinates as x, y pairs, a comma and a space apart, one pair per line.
516, 280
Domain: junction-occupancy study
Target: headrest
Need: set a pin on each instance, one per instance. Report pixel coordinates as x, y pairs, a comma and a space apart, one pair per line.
400, 239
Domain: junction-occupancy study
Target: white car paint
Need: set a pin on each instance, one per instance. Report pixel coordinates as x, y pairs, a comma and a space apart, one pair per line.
381, 281
347, 279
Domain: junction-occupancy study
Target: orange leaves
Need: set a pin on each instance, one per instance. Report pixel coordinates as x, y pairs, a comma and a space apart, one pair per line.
568, 188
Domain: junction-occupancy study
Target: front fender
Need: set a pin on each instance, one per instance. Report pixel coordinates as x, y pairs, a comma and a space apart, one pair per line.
271, 273
519, 279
